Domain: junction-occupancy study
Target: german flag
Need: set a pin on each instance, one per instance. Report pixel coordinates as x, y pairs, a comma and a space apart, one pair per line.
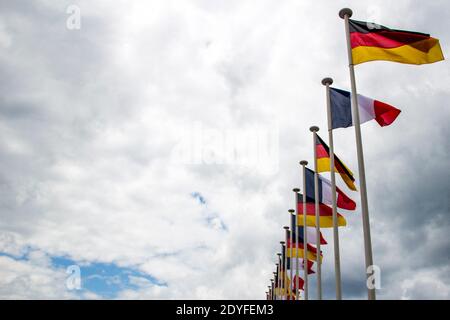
323, 163
370, 41
325, 215
299, 252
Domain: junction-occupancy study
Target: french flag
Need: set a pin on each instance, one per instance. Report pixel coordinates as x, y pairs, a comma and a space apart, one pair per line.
325, 192
369, 109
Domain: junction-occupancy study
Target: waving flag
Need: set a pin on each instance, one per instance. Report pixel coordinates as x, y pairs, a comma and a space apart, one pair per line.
369, 109
370, 41
299, 252
292, 262
311, 233
323, 164
325, 215
301, 282
325, 190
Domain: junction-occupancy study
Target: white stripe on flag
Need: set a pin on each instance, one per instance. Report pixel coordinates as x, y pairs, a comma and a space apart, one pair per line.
326, 191
312, 235
366, 109
294, 262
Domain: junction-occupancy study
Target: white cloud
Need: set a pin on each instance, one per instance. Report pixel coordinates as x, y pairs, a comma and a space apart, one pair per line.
91, 119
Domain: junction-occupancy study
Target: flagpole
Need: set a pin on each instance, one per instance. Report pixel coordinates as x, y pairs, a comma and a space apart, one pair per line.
314, 130
278, 276
275, 283
288, 234
305, 235
337, 259
283, 271
291, 251
272, 289
297, 281
345, 14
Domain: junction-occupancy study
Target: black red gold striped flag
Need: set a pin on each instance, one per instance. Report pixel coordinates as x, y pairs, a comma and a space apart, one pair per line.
370, 41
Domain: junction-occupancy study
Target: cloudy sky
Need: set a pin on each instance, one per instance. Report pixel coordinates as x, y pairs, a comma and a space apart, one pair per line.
155, 147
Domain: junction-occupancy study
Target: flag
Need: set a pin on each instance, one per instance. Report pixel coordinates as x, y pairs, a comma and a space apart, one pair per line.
325, 215
311, 233
286, 290
292, 262
301, 282
298, 251
323, 164
370, 41
325, 191
369, 109
282, 292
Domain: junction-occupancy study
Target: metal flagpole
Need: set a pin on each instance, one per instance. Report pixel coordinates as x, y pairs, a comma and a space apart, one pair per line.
291, 251
345, 14
286, 283
337, 260
314, 130
305, 235
297, 281
275, 284
278, 276
271, 290
283, 271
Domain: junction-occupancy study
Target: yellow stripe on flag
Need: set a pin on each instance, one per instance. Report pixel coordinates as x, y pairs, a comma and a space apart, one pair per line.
409, 54
324, 221
300, 253
323, 165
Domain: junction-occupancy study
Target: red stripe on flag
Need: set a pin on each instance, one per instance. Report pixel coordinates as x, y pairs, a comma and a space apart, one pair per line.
321, 151
301, 246
385, 39
343, 201
324, 210
385, 114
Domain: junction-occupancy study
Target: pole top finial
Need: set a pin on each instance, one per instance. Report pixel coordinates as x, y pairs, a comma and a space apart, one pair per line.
314, 129
281, 242
285, 228
327, 81
296, 190
279, 254
303, 162
345, 12
291, 210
